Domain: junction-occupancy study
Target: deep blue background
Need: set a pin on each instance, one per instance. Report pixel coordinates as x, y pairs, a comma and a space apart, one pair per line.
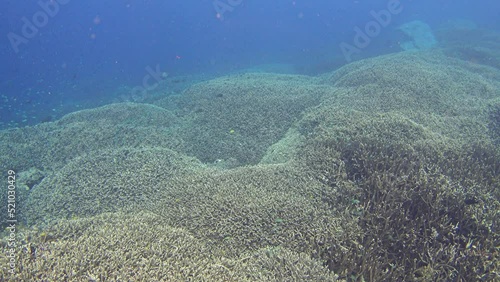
91, 47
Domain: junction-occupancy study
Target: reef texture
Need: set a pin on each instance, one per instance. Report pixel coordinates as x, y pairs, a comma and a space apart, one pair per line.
387, 169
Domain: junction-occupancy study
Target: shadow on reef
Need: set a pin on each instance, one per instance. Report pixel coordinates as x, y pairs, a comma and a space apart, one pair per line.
424, 215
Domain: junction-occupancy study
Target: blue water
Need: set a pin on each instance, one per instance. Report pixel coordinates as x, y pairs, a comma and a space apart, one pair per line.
78, 53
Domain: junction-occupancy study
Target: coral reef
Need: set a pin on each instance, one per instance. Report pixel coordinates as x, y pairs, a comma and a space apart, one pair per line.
471, 44
144, 249
105, 181
242, 115
387, 169
494, 123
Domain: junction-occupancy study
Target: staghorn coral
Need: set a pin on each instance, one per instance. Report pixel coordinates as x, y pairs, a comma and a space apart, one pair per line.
106, 181
382, 171
427, 206
258, 108
494, 123
145, 249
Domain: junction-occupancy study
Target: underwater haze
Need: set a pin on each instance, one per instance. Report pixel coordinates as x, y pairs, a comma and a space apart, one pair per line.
61, 56
236, 140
